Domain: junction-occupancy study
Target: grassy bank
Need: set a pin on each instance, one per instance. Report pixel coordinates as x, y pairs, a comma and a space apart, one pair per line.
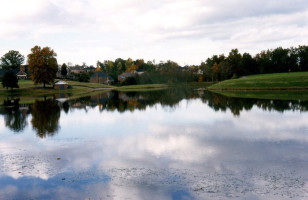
141, 88
28, 92
279, 81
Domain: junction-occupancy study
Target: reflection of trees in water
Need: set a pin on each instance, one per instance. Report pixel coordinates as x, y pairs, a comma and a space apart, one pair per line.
130, 101
170, 98
236, 105
46, 114
15, 116
45, 117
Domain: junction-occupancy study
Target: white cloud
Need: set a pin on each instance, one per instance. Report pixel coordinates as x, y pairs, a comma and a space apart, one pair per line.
184, 31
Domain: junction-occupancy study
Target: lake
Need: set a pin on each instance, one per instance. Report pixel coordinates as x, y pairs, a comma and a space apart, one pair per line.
168, 144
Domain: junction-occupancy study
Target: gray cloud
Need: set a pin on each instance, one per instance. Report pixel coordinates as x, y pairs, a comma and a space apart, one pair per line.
127, 28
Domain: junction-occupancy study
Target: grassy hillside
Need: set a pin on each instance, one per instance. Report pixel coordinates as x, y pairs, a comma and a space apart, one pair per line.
279, 81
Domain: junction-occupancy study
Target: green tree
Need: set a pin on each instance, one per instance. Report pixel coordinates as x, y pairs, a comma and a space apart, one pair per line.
64, 70
263, 60
10, 80
42, 65
12, 60
84, 77
249, 64
303, 58
235, 60
216, 71
225, 70
279, 60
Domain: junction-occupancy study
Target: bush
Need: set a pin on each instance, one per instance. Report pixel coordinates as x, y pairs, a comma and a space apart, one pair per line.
10, 80
84, 77
130, 81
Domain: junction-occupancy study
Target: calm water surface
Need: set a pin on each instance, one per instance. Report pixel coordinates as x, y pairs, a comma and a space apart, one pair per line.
171, 144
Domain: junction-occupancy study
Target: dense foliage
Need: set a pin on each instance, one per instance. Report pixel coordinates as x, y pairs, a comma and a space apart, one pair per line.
42, 65
12, 60
64, 70
215, 68
271, 61
10, 80
83, 77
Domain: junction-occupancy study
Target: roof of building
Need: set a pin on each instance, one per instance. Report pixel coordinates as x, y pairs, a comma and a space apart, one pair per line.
3, 71
126, 74
101, 75
21, 73
61, 83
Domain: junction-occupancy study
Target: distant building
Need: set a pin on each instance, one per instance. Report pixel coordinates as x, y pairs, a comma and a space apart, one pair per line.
139, 71
21, 75
61, 85
124, 76
76, 69
100, 77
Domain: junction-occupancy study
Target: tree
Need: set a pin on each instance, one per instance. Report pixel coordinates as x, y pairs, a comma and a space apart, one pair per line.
235, 60
249, 64
84, 77
303, 57
12, 60
10, 80
216, 71
42, 65
225, 70
279, 60
263, 60
64, 70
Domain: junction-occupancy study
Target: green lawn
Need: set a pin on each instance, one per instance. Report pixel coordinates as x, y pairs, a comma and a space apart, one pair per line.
146, 87
278, 81
28, 92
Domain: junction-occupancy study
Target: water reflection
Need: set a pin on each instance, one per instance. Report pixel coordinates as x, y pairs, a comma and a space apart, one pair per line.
15, 115
129, 145
121, 102
45, 117
237, 105
46, 113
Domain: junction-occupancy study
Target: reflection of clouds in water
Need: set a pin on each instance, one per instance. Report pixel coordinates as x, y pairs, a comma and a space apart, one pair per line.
191, 148
2, 125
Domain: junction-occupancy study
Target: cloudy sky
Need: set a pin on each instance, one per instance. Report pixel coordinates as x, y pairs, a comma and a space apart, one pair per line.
184, 31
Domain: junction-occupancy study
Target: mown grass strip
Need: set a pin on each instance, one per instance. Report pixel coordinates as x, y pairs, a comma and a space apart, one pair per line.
278, 81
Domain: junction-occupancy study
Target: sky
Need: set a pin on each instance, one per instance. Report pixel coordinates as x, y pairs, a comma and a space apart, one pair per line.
187, 32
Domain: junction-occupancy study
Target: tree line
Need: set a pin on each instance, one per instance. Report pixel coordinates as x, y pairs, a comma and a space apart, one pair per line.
43, 66
221, 67
215, 68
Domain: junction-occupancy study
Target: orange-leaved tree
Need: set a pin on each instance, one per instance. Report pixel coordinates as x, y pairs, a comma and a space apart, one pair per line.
42, 65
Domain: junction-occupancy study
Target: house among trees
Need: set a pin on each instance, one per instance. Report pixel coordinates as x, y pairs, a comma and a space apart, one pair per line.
76, 69
124, 76
21, 75
139, 71
100, 77
61, 85
23, 72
